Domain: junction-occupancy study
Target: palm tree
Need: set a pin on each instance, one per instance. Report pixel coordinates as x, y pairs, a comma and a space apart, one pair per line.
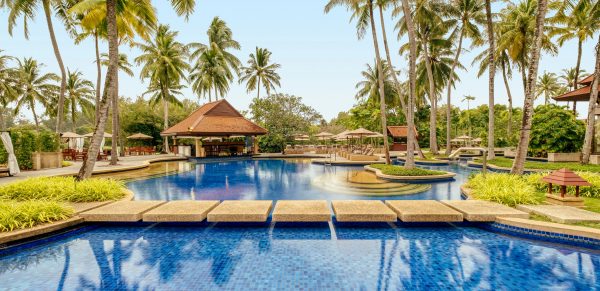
589, 128
79, 93
577, 20
220, 40
548, 85
519, 162
368, 88
470, 16
164, 63
469, 98
211, 72
260, 71
492, 74
27, 10
8, 92
568, 76
34, 87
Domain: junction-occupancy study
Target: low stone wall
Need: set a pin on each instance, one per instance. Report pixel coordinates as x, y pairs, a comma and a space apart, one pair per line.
564, 157
42, 160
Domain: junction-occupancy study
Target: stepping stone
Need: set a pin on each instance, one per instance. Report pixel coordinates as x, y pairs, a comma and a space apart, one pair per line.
241, 211
479, 210
362, 211
301, 211
181, 211
561, 213
121, 211
424, 211
80, 207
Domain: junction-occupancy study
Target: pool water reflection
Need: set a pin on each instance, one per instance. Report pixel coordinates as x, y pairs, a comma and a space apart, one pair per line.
269, 257
270, 180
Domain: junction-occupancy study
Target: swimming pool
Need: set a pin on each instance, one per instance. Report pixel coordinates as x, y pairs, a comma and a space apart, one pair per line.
273, 179
280, 257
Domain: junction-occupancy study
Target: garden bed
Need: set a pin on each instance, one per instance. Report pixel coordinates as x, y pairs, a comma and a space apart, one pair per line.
400, 173
546, 166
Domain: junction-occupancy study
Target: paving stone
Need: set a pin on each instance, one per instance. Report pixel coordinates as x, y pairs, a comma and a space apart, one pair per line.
301, 211
479, 210
121, 211
86, 206
424, 211
362, 211
561, 213
181, 211
241, 211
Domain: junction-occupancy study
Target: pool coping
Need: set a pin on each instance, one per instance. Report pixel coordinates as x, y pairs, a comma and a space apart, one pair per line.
434, 162
430, 178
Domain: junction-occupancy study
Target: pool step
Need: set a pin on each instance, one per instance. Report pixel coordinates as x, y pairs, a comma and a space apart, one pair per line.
121, 211
181, 211
301, 211
424, 211
241, 211
362, 211
483, 211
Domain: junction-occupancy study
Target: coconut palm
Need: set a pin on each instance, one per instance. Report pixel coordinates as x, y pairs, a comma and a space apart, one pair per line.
469, 15
368, 88
547, 85
80, 94
220, 41
8, 90
163, 61
260, 71
491, 76
533, 62
34, 87
26, 9
211, 74
575, 20
468, 99
589, 129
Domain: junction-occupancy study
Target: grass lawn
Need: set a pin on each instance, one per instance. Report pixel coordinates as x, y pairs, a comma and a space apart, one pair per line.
402, 171
507, 163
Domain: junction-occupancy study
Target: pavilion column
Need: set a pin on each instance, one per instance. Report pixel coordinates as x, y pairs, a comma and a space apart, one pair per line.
199, 149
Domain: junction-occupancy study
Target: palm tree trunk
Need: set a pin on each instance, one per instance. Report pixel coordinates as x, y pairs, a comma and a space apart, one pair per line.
577, 68
73, 109
382, 106
98, 77
258, 89
109, 90
166, 117
114, 141
449, 97
63, 74
412, 65
209, 96
589, 128
433, 100
2, 119
389, 58
519, 163
492, 74
508, 93
35, 117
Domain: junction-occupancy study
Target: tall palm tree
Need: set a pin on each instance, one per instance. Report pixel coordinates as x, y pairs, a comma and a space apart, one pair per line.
534, 58
593, 104
382, 5
79, 94
8, 91
368, 88
164, 64
470, 16
220, 41
547, 85
412, 67
211, 73
492, 74
260, 71
576, 20
469, 98
27, 10
34, 87
182, 7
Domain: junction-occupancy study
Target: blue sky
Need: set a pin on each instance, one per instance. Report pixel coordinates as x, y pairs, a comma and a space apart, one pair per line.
320, 55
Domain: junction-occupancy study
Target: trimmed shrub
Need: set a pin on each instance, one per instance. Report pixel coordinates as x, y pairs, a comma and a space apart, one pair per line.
48, 141
19, 215
506, 189
26, 142
402, 171
63, 189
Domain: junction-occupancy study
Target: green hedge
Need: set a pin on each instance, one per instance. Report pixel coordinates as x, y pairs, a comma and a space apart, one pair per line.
25, 142
402, 171
63, 189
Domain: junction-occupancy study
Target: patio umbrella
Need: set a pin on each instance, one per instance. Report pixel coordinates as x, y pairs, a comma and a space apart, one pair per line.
106, 135
360, 133
464, 137
73, 140
139, 135
69, 134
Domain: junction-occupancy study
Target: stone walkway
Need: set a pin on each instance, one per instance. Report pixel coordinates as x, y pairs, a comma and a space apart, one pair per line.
561, 213
125, 163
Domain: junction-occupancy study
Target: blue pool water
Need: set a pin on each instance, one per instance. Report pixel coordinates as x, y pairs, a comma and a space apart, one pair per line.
278, 257
270, 180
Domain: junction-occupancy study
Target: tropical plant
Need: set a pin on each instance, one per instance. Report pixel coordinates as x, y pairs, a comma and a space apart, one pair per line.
491, 76
534, 58
394, 170
20, 215
63, 189
79, 94
368, 88
555, 130
260, 71
547, 85
589, 129
8, 91
26, 9
34, 87
503, 188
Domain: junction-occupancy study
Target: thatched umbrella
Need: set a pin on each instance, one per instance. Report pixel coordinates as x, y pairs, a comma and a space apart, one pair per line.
139, 135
